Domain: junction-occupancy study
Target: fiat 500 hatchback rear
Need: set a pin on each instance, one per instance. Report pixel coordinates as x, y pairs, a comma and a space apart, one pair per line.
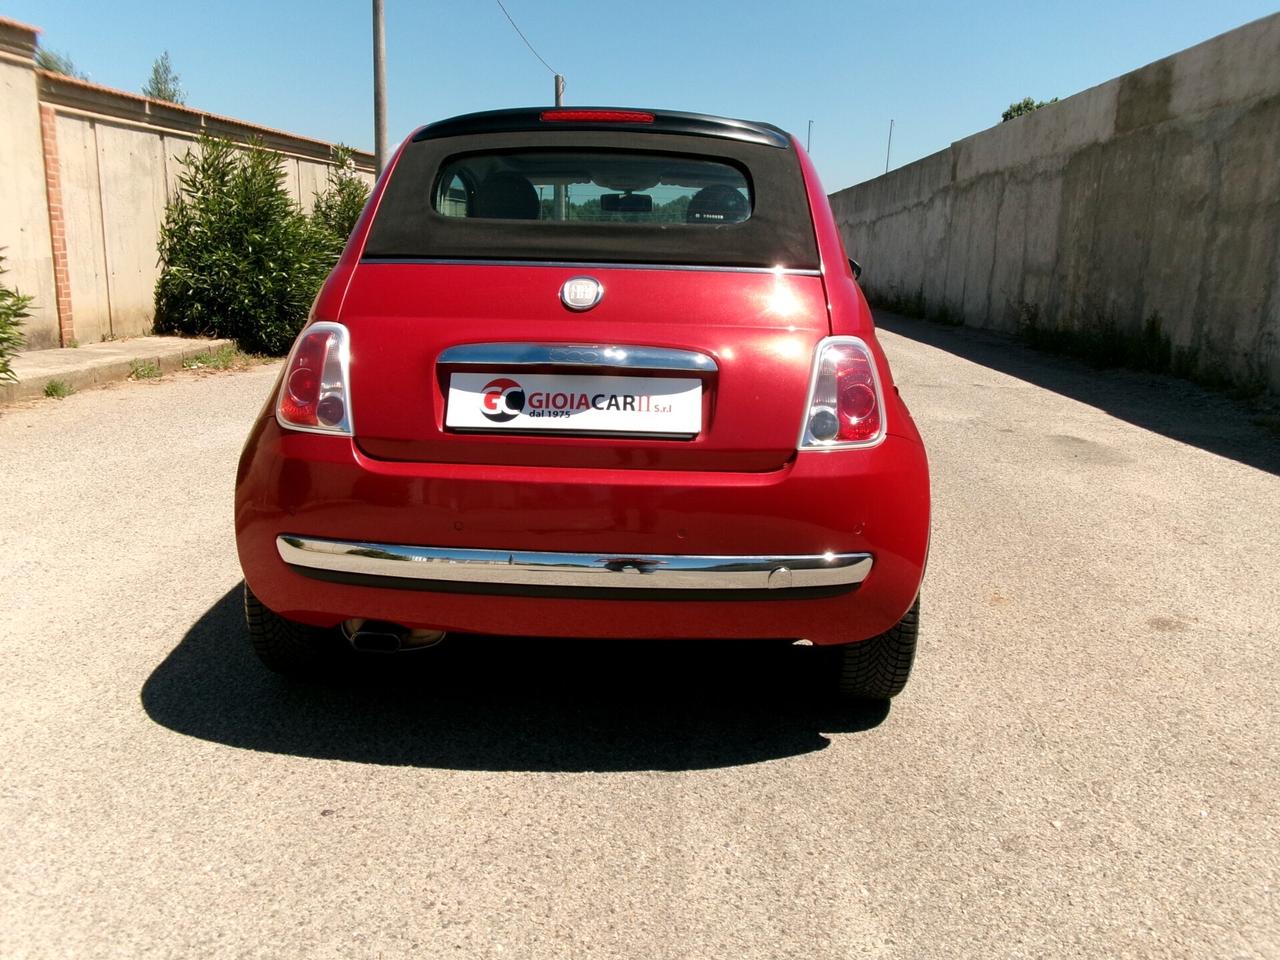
589, 373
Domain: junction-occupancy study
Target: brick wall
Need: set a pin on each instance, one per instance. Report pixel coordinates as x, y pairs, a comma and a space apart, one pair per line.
57, 226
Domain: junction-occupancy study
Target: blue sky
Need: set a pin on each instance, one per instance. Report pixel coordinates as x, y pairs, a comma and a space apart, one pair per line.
941, 70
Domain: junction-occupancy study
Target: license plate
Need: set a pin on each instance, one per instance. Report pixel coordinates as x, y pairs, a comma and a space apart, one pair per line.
575, 404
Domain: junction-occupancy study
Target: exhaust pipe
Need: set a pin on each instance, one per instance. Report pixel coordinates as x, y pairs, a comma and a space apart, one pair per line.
379, 636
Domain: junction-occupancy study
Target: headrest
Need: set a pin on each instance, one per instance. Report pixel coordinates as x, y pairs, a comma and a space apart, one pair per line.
506, 196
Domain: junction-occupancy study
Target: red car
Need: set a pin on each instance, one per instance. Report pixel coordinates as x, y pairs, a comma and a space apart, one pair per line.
589, 373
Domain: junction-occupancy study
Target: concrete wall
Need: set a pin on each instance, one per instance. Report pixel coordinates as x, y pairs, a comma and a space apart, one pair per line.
108, 164
1156, 194
24, 215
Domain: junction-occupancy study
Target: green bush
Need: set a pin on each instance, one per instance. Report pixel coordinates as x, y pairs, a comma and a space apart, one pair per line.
238, 257
338, 206
13, 310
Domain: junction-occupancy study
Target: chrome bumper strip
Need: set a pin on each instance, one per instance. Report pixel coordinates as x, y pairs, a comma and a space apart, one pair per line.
576, 355
538, 569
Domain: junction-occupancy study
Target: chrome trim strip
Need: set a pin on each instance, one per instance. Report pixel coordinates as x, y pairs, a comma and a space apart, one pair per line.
622, 355
542, 569
577, 265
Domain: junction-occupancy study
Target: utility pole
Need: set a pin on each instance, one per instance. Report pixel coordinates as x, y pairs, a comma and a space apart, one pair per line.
559, 199
808, 141
888, 147
379, 87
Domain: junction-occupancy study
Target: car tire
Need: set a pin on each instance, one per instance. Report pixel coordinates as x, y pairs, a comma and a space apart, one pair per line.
284, 646
879, 668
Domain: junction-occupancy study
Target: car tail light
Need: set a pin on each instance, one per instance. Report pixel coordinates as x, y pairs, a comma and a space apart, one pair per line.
596, 116
846, 404
313, 395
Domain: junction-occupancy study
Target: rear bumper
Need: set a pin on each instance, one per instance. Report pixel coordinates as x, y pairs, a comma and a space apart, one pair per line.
322, 531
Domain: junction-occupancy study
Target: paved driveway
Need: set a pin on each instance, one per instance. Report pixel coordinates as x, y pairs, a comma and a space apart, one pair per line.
1084, 765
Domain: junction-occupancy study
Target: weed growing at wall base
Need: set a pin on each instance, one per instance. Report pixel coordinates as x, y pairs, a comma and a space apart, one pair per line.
144, 370
1101, 341
58, 389
224, 358
912, 305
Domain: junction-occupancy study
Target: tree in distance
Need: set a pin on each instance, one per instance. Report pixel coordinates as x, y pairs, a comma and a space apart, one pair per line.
164, 83
1026, 105
56, 62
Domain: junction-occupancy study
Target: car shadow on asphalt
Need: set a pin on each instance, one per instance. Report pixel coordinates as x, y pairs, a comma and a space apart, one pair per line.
1167, 405
502, 704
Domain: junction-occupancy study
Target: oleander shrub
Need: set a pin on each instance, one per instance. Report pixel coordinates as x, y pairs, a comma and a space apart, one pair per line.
13, 310
238, 257
337, 207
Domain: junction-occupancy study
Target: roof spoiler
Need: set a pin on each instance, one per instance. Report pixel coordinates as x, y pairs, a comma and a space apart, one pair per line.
531, 119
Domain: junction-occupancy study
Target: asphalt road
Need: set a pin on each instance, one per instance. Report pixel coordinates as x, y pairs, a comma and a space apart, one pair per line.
1084, 765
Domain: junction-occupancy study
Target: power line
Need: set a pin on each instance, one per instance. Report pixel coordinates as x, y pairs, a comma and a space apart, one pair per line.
523, 37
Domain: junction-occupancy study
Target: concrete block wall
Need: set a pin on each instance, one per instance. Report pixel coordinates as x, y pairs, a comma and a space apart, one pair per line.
25, 240
1154, 195
85, 173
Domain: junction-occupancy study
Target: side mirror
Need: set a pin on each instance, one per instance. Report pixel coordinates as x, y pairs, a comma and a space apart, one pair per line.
857, 268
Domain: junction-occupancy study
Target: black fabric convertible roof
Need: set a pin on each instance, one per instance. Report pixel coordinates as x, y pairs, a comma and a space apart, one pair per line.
779, 231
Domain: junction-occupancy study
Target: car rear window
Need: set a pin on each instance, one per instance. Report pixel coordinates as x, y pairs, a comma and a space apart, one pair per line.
592, 186
597, 197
